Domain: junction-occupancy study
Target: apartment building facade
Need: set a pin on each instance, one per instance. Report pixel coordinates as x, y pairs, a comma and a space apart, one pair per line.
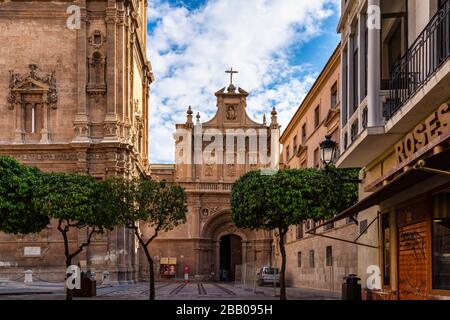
317, 260
395, 119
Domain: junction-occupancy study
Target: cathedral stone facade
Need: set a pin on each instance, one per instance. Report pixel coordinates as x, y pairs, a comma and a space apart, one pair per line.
206, 166
74, 81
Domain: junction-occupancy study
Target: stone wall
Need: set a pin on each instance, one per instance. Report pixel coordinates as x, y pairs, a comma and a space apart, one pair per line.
321, 276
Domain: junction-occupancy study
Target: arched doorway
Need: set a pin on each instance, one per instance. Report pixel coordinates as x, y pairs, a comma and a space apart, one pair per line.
230, 256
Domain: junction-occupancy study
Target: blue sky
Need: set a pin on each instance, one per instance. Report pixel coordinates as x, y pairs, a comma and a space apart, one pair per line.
278, 46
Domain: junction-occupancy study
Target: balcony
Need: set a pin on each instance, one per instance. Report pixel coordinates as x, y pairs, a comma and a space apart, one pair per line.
361, 143
419, 83
421, 78
206, 187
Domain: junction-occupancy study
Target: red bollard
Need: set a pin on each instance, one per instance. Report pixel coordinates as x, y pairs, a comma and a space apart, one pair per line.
186, 274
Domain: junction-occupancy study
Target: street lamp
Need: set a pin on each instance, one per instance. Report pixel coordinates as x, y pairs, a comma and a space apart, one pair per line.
328, 151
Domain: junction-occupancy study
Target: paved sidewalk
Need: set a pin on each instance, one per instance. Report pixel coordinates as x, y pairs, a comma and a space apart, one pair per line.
20, 288
175, 290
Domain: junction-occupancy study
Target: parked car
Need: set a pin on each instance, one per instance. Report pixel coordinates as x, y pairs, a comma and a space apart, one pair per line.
268, 276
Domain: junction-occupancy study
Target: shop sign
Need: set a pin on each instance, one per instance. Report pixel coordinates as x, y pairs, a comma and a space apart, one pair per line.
424, 133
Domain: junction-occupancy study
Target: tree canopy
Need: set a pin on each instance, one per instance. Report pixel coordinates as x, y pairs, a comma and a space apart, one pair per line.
71, 199
18, 186
160, 205
290, 196
275, 202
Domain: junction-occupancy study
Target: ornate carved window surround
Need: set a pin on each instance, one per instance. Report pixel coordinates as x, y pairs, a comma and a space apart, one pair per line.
30, 96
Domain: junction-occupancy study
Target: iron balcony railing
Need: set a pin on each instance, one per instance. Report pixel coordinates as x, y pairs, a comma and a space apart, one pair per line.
427, 54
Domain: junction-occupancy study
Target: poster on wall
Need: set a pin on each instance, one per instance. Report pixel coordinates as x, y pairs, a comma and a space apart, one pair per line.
168, 266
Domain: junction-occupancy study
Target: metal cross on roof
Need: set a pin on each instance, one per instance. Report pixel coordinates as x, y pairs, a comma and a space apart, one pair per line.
231, 71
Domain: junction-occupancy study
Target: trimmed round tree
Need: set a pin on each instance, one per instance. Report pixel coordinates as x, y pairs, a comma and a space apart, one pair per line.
18, 214
71, 200
276, 202
160, 205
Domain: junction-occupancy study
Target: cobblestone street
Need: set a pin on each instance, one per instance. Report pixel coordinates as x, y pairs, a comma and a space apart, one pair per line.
175, 290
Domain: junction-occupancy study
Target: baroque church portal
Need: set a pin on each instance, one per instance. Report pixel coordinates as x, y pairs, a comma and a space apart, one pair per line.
209, 158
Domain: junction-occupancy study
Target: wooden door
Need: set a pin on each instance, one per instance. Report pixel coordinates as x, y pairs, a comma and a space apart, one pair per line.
412, 261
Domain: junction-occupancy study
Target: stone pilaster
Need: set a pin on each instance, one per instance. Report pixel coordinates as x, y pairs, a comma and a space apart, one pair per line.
81, 121
111, 126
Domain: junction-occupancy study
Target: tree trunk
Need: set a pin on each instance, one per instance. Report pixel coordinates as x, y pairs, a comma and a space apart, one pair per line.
69, 293
152, 280
68, 255
151, 295
283, 265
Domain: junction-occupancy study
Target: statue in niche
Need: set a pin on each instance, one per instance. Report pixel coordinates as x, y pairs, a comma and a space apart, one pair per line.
231, 169
204, 214
96, 82
208, 170
209, 167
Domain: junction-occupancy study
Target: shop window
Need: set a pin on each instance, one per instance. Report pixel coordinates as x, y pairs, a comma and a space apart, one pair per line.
441, 242
386, 249
329, 256
299, 259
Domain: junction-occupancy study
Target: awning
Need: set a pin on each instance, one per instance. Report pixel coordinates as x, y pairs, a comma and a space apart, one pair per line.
402, 182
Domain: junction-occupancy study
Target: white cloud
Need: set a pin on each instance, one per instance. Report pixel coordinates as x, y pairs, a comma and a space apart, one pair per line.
190, 50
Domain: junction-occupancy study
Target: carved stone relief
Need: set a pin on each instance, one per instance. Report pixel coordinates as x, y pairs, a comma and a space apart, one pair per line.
97, 39
209, 167
208, 212
231, 228
231, 170
231, 112
33, 83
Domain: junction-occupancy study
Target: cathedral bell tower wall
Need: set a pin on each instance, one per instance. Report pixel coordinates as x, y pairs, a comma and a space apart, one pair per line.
75, 91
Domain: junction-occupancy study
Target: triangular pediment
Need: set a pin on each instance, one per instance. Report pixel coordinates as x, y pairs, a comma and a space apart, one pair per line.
302, 149
31, 85
332, 114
